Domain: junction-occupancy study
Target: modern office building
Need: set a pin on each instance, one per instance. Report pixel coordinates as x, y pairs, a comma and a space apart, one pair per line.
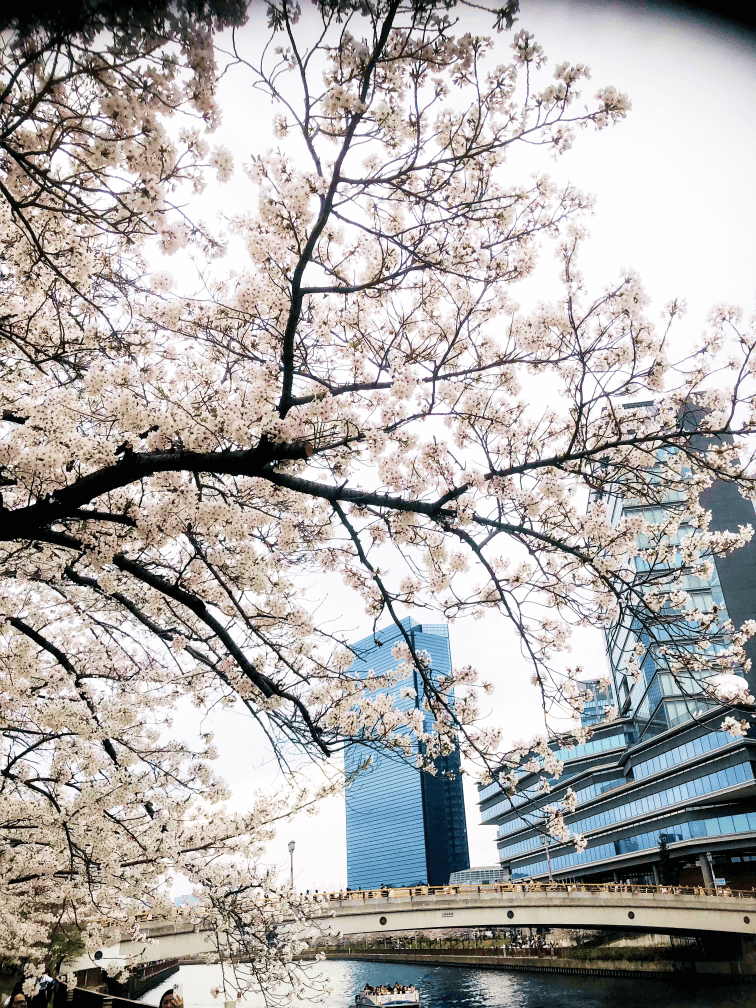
403, 826
664, 794
692, 786
477, 876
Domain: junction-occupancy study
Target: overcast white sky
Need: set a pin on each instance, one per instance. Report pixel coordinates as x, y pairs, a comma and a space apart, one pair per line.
676, 200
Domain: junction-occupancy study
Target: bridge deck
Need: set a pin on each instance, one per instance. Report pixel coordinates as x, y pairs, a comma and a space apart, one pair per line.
644, 908
663, 909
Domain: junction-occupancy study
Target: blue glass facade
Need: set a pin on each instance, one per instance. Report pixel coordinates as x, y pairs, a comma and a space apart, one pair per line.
656, 700
601, 699
693, 786
663, 770
698, 787
744, 823
403, 827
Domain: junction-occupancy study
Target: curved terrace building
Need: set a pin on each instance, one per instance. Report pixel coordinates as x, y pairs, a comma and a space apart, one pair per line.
692, 786
664, 795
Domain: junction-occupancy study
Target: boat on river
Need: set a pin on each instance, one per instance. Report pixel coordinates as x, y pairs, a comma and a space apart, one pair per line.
368, 999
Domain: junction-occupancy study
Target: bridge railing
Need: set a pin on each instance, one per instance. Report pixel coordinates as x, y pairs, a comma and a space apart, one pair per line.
362, 896
528, 886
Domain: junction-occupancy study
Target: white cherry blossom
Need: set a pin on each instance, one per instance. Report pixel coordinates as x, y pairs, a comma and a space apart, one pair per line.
350, 390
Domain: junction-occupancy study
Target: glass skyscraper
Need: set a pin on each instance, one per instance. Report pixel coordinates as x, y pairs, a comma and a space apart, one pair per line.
664, 794
403, 826
656, 700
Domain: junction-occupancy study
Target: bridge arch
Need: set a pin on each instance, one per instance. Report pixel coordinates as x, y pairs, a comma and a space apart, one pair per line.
666, 910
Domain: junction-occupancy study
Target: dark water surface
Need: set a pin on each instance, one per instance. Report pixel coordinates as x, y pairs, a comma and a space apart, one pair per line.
466, 987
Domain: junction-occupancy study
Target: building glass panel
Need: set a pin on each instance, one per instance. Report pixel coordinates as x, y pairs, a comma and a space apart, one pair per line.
718, 781
582, 795
679, 754
716, 826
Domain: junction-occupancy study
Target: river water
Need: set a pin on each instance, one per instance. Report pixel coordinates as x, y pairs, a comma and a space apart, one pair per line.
466, 987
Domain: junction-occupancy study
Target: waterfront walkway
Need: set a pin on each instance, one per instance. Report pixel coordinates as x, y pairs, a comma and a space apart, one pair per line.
727, 969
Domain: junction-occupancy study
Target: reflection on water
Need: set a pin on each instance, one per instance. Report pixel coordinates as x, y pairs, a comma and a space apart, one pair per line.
462, 987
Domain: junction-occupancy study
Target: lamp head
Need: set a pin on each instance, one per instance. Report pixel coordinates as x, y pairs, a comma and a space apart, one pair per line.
291, 846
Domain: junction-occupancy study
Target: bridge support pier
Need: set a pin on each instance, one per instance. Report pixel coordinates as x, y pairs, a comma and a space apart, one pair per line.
655, 870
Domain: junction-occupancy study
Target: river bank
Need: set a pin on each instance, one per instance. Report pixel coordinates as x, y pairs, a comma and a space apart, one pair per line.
725, 970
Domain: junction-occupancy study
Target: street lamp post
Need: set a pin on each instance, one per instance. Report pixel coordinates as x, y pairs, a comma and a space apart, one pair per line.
291, 863
545, 842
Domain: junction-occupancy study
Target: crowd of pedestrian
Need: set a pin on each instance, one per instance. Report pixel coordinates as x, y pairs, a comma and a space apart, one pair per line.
530, 945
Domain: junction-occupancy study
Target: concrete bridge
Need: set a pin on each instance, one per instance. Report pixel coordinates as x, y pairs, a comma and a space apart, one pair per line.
666, 910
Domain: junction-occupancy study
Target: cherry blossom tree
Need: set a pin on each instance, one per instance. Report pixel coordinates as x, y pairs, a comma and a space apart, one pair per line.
91, 164
353, 391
